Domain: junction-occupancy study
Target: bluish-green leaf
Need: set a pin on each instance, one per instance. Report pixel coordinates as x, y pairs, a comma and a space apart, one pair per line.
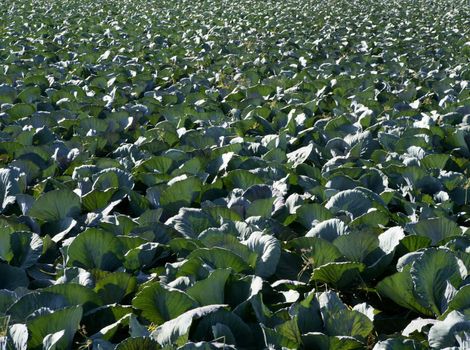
159, 303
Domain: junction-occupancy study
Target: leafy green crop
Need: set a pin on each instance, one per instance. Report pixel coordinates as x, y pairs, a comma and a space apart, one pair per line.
234, 174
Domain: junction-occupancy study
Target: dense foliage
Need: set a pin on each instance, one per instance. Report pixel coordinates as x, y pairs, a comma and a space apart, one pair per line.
234, 174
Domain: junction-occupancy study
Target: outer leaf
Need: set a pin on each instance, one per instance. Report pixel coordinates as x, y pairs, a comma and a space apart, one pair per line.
112, 178
413, 243
356, 246
95, 319
328, 230
316, 340
221, 238
56, 205
138, 344
318, 251
67, 319
115, 286
111, 331
7, 93
399, 288
308, 213
95, 248
12, 277
345, 343
7, 298
461, 300
76, 294
191, 222
340, 274
443, 333
221, 331
436, 228
8, 187
398, 344
260, 207
6, 252
30, 302
18, 333
268, 249
241, 331
241, 179
430, 273
349, 323
275, 340
21, 110
300, 155
210, 290
160, 303
20, 248
354, 201
181, 194
175, 331
417, 325
142, 256
202, 345
308, 314
51, 341
220, 258
97, 199
390, 239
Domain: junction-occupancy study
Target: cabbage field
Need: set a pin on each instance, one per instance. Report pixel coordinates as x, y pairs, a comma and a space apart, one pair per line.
217, 174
